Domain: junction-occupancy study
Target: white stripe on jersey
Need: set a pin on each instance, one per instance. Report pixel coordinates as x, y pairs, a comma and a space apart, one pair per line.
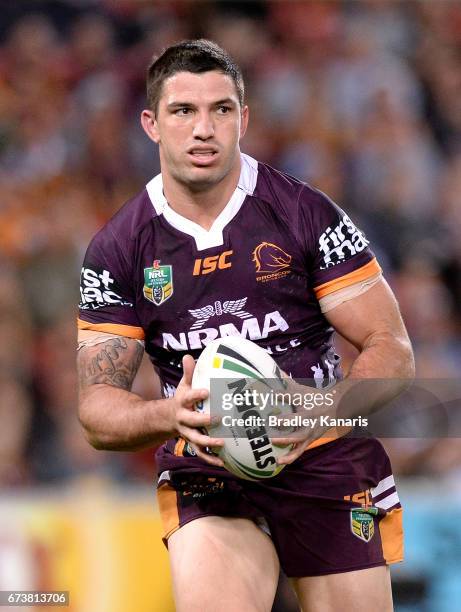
383, 485
164, 476
388, 501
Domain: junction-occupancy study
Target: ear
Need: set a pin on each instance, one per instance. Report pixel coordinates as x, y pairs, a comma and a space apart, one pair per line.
244, 121
150, 126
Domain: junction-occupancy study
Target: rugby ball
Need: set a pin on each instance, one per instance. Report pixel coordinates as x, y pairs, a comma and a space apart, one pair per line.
231, 368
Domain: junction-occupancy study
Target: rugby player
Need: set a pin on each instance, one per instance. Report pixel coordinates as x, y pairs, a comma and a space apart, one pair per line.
219, 244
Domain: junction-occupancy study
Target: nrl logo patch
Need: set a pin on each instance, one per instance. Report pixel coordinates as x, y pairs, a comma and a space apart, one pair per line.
158, 283
362, 524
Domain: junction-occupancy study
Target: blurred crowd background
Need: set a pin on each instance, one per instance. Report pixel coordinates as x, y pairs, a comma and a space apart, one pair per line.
361, 99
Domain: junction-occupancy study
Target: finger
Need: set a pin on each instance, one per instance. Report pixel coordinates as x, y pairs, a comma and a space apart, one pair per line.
190, 418
292, 455
188, 365
283, 442
189, 398
211, 459
195, 437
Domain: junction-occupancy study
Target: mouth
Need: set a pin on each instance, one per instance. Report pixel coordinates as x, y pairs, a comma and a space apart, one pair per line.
202, 156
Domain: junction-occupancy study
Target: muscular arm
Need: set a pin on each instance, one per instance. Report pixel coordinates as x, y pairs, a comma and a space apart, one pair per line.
114, 418
373, 324
384, 366
114, 362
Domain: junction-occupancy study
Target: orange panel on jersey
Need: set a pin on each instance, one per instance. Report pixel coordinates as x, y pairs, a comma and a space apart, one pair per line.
320, 441
391, 530
129, 331
168, 506
366, 271
179, 447
331, 434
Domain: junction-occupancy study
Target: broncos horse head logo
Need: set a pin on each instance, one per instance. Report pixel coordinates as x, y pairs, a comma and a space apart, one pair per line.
269, 257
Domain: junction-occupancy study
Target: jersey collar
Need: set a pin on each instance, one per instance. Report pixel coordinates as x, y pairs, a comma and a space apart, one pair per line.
206, 239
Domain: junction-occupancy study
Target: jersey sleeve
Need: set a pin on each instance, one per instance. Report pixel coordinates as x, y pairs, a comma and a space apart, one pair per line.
338, 252
107, 295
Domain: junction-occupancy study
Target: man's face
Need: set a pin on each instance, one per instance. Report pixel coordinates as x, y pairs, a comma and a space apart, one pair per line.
198, 125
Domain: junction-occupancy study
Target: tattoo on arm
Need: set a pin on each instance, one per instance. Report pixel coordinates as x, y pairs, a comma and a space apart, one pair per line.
114, 362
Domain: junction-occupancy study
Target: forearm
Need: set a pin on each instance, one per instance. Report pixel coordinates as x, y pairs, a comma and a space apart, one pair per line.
117, 419
385, 364
384, 356
113, 417
383, 369
371, 321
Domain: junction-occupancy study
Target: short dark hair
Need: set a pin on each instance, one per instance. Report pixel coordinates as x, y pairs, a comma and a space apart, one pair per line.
195, 56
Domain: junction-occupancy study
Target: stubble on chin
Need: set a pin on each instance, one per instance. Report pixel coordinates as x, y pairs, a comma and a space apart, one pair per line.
197, 183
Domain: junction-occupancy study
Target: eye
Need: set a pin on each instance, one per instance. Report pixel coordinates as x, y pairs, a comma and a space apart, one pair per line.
182, 112
223, 110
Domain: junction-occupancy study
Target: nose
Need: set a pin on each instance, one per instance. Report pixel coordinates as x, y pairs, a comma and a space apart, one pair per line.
203, 127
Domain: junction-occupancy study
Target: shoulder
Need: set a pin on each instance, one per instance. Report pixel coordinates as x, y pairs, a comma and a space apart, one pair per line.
130, 220
306, 212
123, 229
287, 193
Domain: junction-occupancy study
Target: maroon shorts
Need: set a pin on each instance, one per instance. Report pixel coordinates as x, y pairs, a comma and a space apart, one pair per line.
335, 509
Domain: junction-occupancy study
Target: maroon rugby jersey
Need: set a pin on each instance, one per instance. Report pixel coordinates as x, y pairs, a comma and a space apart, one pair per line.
277, 247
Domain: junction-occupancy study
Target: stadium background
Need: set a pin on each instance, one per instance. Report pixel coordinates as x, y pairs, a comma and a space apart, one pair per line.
363, 99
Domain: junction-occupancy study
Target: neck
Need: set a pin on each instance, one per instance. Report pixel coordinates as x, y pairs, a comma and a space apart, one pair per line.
202, 206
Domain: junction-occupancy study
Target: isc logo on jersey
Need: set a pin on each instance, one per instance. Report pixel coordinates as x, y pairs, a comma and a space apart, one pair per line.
199, 336
343, 240
97, 290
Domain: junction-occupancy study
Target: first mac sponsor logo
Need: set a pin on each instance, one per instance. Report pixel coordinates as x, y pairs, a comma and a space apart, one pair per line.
98, 289
341, 242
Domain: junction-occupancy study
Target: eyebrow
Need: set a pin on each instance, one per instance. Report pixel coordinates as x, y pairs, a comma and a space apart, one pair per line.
189, 104
225, 101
